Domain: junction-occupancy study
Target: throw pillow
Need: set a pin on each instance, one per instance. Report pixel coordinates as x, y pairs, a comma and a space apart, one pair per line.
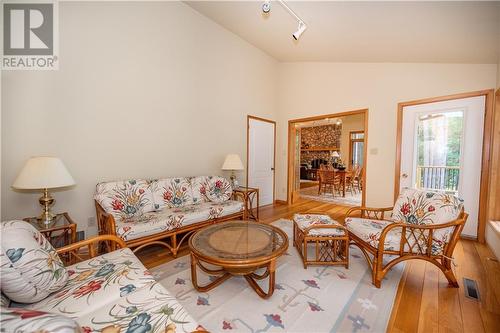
30, 267
218, 189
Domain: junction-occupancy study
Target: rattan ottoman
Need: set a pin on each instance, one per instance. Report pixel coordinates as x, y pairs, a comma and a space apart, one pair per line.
325, 237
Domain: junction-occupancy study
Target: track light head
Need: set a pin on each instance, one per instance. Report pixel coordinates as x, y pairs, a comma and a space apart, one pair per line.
266, 7
300, 30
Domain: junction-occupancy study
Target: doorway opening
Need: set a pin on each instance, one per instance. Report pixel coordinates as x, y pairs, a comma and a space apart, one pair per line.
444, 144
327, 158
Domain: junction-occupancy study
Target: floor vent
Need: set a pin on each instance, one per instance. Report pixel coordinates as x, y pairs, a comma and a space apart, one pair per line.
471, 289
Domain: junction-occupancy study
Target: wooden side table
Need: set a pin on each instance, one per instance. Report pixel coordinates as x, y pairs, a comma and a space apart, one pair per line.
249, 196
61, 232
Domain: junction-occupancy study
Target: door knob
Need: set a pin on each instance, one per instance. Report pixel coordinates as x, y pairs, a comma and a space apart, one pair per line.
404, 175
272, 169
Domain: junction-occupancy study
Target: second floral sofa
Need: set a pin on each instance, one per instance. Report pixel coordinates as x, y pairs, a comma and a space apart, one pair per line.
144, 212
109, 293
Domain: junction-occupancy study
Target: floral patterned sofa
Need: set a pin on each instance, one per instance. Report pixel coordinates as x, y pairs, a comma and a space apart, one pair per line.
144, 212
113, 292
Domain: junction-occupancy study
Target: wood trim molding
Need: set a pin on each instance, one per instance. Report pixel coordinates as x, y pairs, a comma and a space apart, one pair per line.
291, 147
248, 151
494, 193
486, 154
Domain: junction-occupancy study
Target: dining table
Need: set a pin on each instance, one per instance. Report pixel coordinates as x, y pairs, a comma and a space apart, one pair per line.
343, 173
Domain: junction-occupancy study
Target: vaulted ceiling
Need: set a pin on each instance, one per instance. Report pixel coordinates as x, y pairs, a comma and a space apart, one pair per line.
442, 32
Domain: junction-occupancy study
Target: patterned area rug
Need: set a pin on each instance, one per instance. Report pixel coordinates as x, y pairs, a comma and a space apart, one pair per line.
319, 299
349, 199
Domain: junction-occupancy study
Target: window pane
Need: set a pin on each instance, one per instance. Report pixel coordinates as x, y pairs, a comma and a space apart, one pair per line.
357, 153
357, 135
439, 138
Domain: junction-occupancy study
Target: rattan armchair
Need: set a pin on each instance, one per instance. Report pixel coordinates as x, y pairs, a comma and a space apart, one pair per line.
94, 247
406, 232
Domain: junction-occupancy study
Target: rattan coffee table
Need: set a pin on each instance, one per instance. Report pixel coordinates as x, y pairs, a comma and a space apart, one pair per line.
237, 248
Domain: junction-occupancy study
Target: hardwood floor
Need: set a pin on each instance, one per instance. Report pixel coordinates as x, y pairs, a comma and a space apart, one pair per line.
424, 302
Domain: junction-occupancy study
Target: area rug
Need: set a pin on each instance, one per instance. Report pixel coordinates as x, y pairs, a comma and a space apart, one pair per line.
349, 199
317, 299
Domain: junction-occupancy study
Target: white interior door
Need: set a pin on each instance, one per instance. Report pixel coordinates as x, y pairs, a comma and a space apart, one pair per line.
441, 149
261, 158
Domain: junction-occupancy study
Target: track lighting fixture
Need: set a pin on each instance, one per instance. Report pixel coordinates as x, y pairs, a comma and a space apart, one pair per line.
266, 8
302, 27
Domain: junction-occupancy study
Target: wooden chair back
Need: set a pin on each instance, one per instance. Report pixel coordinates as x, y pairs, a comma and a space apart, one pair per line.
327, 176
357, 171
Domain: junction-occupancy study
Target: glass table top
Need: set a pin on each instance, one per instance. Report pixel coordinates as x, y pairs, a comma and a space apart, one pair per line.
60, 220
239, 240
245, 189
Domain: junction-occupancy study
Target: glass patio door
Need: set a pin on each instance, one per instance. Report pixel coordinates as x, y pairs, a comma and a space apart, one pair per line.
441, 150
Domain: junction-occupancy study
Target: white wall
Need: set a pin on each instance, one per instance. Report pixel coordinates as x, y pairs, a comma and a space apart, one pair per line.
309, 89
143, 90
155, 89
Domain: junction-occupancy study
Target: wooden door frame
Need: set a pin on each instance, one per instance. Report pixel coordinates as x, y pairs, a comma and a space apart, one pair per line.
274, 152
291, 147
486, 154
354, 140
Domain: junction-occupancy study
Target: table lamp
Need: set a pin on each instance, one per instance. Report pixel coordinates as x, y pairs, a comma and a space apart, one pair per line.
232, 163
334, 155
44, 173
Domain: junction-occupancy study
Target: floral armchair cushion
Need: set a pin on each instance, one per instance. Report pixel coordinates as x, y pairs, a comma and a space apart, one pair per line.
212, 189
371, 230
125, 199
19, 320
29, 265
172, 192
304, 221
426, 207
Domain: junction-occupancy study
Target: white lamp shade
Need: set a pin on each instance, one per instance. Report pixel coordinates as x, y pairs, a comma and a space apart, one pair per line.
232, 162
335, 154
43, 172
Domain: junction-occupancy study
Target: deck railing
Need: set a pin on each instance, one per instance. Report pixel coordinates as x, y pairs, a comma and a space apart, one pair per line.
438, 177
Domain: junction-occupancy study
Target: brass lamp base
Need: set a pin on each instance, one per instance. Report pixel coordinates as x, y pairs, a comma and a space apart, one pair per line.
46, 201
232, 178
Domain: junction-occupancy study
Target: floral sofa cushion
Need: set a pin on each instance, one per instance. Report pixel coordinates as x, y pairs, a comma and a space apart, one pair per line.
149, 309
19, 320
426, 207
172, 192
174, 218
29, 265
96, 282
125, 199
4, 300
211, 189
304, 221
